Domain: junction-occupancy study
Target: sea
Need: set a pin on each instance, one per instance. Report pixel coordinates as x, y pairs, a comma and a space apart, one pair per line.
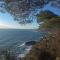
14, 40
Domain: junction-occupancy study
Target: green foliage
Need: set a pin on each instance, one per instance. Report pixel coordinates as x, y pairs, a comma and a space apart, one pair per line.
45, 15
6, 55
21, 9
8, 1
52, 24
51, 20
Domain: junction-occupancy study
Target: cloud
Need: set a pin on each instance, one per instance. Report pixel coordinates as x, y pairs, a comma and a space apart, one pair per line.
14, 25
2, 25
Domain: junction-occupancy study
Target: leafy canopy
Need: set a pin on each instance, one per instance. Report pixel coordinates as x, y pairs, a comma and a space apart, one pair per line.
21, 9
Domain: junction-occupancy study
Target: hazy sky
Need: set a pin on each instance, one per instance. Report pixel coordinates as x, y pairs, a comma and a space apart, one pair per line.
6, 20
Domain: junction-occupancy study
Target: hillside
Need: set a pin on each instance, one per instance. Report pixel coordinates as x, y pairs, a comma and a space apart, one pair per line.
47, 48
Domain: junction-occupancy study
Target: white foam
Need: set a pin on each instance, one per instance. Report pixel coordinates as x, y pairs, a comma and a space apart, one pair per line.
28, 48
23, 44
20, 55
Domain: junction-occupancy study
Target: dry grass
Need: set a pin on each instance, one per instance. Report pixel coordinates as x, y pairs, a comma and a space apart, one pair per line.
47, 48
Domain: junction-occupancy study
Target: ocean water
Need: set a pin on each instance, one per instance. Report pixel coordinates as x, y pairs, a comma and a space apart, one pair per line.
14, 39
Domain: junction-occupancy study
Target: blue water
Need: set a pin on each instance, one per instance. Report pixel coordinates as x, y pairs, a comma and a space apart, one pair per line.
13, 38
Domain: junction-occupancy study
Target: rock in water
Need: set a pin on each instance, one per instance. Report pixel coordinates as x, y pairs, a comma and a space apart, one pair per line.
30, 43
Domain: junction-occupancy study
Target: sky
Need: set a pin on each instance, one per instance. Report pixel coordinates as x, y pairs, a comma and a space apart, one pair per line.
7, 21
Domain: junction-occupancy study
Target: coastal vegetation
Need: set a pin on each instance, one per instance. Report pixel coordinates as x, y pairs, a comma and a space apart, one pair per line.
49, 19
48, 48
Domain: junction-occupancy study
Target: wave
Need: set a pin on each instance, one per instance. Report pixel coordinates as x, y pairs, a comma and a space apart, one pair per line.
24, 50
23, 44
